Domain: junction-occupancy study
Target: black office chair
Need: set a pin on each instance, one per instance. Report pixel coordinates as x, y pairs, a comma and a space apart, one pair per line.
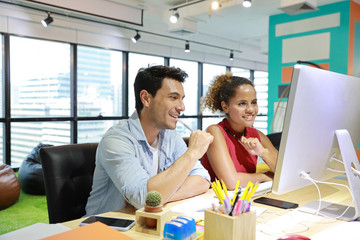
68, 175
275, 139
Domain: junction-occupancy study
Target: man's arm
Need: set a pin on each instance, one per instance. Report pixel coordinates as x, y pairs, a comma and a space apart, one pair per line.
177, 176
193, 185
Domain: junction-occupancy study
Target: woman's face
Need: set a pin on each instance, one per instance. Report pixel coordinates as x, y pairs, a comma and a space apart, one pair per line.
242, 108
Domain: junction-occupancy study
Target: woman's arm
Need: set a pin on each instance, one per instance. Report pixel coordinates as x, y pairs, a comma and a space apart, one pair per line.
270, 156
222, 164
263, 149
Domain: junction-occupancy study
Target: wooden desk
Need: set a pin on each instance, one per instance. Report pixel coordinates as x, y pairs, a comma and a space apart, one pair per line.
302, 196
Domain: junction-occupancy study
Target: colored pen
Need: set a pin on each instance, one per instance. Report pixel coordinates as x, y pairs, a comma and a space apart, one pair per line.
217, 183
252, 192
232, 134
214, 207
219, 189
185, 125
243, 206
227, 205
235, 201
248, 207
238, 207
224, 188
215, 189
246, 191
235, 192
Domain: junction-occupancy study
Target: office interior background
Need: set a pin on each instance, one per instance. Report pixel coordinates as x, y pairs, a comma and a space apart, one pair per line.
72, 80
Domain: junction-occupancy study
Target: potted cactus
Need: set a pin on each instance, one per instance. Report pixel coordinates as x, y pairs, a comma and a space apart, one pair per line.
153, 205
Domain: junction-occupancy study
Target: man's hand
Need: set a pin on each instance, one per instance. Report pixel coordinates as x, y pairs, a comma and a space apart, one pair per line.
199, 142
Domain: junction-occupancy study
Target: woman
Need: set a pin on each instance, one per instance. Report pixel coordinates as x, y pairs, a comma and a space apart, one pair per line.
233, 154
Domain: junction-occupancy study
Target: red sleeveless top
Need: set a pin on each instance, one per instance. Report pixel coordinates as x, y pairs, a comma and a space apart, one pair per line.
242, 159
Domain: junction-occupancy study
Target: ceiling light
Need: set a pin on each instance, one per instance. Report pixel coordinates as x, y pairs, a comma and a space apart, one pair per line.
136, 37
247, 3
231, 55
46, 22
215, 5
187, 46
174, 17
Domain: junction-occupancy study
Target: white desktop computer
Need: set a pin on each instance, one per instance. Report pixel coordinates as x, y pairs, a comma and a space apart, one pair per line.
322, 124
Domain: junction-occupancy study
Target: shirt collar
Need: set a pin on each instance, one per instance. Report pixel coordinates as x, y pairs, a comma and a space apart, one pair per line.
136, 129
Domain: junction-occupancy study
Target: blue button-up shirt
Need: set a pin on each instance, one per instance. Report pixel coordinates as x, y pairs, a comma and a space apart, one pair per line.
124, 165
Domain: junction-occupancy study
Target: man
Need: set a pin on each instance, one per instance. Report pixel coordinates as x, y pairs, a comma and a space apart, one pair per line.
144, 152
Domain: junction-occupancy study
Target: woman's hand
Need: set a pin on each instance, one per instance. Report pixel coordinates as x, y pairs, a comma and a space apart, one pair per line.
252, 145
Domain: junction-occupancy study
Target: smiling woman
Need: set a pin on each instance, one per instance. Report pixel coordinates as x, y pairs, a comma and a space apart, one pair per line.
233, 154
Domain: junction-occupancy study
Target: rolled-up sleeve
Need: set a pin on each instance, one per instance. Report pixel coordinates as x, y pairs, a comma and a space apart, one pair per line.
199, 169
179, 148
121, 159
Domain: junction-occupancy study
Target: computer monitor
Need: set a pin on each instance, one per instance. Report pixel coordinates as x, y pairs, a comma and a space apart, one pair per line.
322, 113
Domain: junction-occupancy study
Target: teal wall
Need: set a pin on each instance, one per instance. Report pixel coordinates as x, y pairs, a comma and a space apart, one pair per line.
339, 45
357, 50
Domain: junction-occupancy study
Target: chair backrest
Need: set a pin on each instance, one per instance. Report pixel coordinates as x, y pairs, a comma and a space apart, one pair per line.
275, 139
68, 175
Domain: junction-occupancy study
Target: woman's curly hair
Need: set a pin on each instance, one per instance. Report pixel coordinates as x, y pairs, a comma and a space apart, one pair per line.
222, 88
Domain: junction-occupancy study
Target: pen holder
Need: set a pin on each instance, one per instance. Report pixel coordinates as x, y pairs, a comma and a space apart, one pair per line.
223, 227
160, 217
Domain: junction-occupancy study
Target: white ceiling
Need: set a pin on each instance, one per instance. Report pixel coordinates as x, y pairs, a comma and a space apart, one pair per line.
232, 26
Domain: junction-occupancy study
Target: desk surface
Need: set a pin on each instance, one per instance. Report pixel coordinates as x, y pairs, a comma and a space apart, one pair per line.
273, 218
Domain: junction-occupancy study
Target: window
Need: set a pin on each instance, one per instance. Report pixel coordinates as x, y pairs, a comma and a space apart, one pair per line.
240, 72
99, 82
209, 73
99, 90
40, 88
93, 131
41, 93
261, 87
27, 135
40, 78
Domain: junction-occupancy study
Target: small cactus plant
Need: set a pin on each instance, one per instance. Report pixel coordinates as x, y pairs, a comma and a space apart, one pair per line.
153, 199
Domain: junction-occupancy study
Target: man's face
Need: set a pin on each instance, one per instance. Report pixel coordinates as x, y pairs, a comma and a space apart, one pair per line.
167, 104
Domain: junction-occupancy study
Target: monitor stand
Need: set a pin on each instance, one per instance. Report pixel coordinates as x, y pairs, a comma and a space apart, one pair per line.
350, 161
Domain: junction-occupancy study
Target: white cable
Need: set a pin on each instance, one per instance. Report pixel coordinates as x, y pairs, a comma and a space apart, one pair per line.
355, 171
276, 231
333, 158
335, 170
307, 176
336, 159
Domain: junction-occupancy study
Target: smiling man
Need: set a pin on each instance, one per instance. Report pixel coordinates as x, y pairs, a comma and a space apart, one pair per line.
145, 153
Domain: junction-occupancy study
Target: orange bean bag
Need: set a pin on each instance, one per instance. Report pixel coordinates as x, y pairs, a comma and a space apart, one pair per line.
9, 187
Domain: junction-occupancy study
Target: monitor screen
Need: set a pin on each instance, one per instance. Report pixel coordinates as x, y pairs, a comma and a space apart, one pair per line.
320, 102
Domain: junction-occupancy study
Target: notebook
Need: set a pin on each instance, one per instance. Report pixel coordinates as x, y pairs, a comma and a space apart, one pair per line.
93, 231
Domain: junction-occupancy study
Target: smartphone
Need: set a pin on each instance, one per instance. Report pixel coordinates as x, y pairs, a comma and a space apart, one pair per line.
276, 203
120, 224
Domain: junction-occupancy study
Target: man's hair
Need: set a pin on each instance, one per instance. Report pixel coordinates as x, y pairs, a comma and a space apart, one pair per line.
151, 79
